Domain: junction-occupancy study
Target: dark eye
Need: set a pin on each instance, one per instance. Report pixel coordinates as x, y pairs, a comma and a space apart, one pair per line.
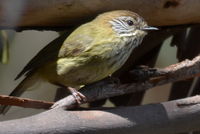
130, 22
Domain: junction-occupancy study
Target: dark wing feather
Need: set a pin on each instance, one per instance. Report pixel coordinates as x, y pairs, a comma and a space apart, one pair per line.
48, 53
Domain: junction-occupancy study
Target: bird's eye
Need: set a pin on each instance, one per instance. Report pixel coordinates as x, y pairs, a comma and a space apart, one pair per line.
129, 22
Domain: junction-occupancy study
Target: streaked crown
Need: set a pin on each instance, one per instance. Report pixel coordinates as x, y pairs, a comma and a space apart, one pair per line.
125, 23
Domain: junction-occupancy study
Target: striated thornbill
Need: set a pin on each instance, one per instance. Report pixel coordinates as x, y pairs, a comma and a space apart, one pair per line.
97, 49
92, 52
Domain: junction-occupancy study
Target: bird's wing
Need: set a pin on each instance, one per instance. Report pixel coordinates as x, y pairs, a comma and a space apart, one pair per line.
78, 42
48, 53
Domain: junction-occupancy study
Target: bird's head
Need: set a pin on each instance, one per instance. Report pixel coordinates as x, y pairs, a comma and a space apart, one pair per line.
125, 23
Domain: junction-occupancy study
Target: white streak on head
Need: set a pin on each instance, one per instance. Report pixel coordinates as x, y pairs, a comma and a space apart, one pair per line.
123, 29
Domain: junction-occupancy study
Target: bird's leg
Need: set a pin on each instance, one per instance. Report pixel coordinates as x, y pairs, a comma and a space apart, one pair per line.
80, 98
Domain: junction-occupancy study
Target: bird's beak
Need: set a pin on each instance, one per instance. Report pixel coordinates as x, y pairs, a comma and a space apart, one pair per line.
149, 28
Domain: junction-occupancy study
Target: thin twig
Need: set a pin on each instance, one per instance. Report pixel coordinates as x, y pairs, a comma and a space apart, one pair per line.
24, 102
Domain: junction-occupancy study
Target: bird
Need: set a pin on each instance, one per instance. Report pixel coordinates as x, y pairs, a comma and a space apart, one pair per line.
92, 52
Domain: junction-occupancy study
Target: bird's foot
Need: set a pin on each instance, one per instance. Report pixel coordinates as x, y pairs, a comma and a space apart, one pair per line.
70, 101
80, 98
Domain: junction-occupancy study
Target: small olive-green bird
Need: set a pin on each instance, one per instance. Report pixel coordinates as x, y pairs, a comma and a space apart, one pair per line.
93, 51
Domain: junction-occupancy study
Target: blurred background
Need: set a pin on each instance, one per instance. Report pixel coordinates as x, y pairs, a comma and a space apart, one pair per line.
24, 45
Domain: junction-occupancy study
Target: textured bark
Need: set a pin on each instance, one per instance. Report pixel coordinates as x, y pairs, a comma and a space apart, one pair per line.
109, 87
188, 48
66, 13
163, 118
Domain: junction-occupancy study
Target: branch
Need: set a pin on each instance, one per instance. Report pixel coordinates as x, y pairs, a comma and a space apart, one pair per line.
109, 87
48, 14
24, 102
161, 118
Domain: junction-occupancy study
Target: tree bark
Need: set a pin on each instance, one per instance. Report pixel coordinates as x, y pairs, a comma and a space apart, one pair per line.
163, 118
109, 87
67, 13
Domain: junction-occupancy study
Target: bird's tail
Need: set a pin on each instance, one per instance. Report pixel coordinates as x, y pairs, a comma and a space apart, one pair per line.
25, 84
